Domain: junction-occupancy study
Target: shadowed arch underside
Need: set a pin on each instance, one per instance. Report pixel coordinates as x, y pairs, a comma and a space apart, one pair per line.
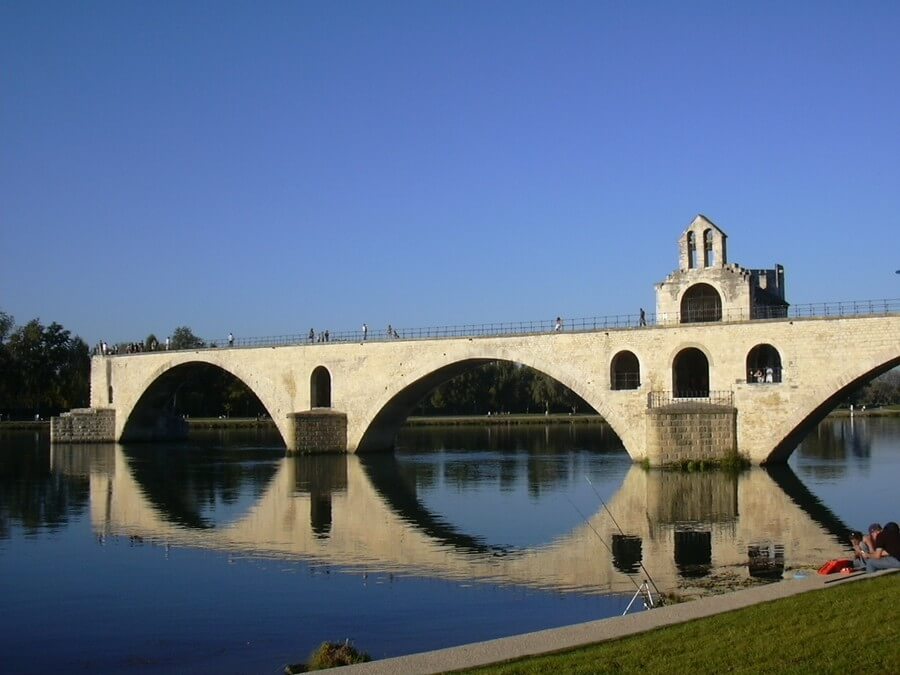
159, 412
789, 443
381, 432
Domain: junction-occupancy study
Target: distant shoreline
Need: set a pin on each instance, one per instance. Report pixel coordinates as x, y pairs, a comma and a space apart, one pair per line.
417, 421
449, 420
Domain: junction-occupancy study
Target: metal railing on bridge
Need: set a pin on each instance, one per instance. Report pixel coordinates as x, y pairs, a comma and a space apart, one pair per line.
659, 399
577, 325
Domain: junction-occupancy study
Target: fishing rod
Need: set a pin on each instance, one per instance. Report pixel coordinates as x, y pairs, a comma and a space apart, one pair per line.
613, 518
605, 545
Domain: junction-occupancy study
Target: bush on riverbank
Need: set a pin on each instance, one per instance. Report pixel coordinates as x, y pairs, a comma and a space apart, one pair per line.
330, 655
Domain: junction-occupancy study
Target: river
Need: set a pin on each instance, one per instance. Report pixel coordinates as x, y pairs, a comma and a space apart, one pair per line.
221, 553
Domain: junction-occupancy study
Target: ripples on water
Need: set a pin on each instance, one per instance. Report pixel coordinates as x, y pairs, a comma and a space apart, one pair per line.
223, 553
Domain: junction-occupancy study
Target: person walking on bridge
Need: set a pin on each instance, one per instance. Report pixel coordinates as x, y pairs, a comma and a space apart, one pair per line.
365, 330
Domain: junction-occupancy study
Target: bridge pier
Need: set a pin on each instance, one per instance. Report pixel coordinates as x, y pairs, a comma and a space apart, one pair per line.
691, 432
318, 430
84, 425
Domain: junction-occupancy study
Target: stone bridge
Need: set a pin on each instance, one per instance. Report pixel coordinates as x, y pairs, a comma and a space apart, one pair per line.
724, 367
375, 385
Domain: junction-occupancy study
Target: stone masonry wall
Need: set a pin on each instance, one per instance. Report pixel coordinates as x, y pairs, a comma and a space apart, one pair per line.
84, 425
690, 432
320, 430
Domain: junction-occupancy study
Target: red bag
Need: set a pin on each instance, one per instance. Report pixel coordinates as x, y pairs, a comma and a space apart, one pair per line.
835, 566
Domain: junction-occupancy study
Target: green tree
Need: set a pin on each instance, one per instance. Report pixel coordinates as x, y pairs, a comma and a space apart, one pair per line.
183, 338
42, 368
8, 371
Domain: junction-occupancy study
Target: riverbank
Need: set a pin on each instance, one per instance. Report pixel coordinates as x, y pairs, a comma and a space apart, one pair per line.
754, 630
449, 420
885, 411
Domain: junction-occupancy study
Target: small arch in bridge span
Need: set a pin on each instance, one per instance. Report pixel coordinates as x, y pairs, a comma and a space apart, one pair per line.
763, 364
625, 371
701, 303
320, 388
690, 374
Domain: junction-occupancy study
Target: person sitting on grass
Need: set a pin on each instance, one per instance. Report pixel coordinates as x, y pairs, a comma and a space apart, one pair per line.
861, 550
869, 539
887, 549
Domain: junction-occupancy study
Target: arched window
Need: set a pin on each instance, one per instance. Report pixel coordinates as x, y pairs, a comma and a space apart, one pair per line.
690, 374
701, 303
320, 388
691, 251
709, 256
763, 365
625, 371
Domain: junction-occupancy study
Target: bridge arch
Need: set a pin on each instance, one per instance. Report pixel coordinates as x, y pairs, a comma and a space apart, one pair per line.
701, 303
831, 390
625, 371
143, 411
390, 411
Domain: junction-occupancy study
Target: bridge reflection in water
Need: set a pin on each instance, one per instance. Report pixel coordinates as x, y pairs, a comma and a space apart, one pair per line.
359, 512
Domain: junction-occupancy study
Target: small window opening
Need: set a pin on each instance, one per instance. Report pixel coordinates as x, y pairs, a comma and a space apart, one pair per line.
691, 251
709, 255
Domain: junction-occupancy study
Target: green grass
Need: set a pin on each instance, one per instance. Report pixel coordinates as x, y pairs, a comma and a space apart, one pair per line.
835, 630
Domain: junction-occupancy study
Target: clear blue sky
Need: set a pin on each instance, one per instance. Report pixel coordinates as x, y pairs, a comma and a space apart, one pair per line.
264, 168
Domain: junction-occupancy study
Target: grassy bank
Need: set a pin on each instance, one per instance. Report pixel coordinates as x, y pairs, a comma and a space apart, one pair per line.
230, 423
884, 411
24, 425
457, 420
834, 630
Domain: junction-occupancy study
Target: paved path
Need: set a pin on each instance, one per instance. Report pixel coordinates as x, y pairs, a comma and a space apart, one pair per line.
568, 637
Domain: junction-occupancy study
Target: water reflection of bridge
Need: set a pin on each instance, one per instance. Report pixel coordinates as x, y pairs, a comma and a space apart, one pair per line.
351, 511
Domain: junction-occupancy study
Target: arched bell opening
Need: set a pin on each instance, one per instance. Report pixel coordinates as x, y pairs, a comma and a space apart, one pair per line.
691, 251
709, 254
701, 303
690, 374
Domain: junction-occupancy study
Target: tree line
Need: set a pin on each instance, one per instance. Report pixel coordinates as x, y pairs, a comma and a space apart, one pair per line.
43, 369
501, 387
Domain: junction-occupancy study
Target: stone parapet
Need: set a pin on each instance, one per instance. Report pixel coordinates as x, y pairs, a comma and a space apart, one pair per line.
84, 425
